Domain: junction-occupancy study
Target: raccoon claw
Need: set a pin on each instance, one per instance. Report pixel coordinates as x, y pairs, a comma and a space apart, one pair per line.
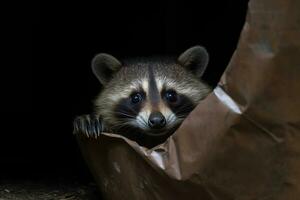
88, 125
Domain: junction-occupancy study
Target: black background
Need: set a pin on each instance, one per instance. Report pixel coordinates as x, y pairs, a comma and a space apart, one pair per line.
49, 80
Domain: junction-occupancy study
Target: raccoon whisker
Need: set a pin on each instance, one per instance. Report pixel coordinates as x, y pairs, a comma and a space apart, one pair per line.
142, 121
124, 114
179, 114
131, 109
132, 93
146, 124
121, 125
171, 118
181, 117
168, 119
122, 122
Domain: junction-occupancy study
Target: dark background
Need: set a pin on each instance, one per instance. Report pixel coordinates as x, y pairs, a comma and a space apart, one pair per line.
53, 83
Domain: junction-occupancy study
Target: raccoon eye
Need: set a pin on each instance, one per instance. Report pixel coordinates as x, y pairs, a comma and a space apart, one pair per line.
136, 98
171, 96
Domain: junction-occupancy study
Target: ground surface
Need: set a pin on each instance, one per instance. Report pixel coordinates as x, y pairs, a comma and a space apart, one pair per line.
45, 190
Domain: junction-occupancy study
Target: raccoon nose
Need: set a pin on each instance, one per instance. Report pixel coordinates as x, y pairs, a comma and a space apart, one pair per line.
156, 120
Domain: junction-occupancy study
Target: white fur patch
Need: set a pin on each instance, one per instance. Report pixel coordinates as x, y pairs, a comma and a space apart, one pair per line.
117, 97
168, 114
145, 85
159, 83
143, 116
142, 119
126, 91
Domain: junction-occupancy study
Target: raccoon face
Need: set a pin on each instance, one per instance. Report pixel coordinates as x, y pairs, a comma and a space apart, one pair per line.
153, 108
150, 96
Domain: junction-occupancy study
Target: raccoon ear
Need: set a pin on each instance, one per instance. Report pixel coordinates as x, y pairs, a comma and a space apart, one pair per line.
194, 59
104, 66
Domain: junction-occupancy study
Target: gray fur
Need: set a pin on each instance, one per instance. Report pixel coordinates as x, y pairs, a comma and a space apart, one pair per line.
119, 80
137, 70
195, 59
104, 66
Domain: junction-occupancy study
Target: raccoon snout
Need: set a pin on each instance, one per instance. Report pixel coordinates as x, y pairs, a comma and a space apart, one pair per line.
156, 120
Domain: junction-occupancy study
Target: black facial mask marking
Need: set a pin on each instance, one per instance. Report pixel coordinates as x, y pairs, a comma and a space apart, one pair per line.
126, 108
182, 106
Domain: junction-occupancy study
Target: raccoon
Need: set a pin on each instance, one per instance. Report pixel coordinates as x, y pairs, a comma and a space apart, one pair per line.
145, 99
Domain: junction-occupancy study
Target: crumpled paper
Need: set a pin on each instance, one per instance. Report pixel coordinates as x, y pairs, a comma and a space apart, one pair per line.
242, 142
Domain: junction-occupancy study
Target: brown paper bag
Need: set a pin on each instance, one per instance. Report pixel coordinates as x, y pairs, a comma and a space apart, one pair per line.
242, 142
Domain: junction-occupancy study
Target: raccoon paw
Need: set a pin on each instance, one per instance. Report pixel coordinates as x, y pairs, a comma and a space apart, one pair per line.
89, 125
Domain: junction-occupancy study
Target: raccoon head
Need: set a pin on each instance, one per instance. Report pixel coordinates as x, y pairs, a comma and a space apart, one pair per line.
149, 96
